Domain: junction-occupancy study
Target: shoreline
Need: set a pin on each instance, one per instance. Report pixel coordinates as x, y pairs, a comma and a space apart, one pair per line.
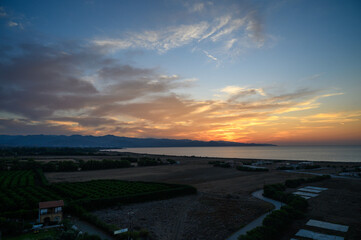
234, 158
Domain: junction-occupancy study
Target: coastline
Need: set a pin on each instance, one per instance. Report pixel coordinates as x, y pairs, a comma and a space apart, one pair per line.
288, 153
226, 158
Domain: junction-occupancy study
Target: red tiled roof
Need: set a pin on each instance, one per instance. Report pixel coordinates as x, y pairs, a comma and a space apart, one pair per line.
51, 204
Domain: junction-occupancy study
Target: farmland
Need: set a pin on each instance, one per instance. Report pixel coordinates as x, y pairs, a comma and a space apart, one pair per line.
19, 178
25, 198
21, 194
99, 190
106, 189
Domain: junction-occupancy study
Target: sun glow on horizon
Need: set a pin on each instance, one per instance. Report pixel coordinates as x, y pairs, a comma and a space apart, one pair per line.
244, 71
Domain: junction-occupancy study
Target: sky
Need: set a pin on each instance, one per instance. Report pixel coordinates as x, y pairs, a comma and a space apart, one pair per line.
282, 72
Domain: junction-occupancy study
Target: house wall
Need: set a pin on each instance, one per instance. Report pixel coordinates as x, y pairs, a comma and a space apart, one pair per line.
53, 217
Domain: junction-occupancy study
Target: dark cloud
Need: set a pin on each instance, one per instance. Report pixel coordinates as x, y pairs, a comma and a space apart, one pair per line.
27, 127
40, 80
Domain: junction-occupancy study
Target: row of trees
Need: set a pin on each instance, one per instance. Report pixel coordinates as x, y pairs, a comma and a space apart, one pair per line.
70, 166
48, 151
299, 167
221, 164
252, 169
293, 183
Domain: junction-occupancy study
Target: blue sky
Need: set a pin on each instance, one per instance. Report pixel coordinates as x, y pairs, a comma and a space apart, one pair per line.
248, 66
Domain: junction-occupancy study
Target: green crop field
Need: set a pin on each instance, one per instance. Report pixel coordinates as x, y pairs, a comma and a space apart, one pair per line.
24, 196
22, 190
97, 189
19, 178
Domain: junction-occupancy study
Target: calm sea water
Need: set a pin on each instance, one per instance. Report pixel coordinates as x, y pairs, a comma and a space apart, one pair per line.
311, 153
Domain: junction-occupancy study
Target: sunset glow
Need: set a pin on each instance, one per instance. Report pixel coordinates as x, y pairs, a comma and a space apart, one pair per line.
282, 72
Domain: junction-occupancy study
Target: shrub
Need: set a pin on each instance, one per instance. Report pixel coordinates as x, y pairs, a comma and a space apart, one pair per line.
220, 164
273, 225
130, 159
171, 161
252, 169
312, 166
148, 162
10, 227
258, 233
67, 166
297, 202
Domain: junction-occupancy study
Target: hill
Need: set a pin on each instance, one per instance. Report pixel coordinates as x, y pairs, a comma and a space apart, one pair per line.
108, 141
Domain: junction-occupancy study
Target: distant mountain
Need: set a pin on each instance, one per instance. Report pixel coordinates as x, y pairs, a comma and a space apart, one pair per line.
108, 141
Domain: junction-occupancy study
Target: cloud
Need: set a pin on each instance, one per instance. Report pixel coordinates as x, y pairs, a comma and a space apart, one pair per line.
68, 89
161, 40
221, 32
232, 26
230, 43
333, 117
12, 24
210, 56
254, 29
236, 92
45, 80
197, 7
12, 20
3, 12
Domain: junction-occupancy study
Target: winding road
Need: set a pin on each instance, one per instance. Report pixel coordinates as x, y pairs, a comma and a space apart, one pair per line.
257, 222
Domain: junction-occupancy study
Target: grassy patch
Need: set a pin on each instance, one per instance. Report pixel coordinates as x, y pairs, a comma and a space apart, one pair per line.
34, 236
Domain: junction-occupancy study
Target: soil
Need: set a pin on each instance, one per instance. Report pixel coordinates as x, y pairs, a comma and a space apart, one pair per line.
193, 171
202, 216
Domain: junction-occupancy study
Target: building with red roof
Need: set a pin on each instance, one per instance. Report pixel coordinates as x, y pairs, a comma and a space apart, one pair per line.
51, 212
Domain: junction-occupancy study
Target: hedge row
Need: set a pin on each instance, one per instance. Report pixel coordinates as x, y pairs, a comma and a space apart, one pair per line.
252, 169
293, 183
104, 164
274, 224
94, 204
276, 192
299, 167
220, 164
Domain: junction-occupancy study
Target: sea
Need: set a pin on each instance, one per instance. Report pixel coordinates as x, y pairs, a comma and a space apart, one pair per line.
304, 153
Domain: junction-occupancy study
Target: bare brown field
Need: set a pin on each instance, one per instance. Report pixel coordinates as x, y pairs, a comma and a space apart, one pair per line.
205, 216
196, 172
